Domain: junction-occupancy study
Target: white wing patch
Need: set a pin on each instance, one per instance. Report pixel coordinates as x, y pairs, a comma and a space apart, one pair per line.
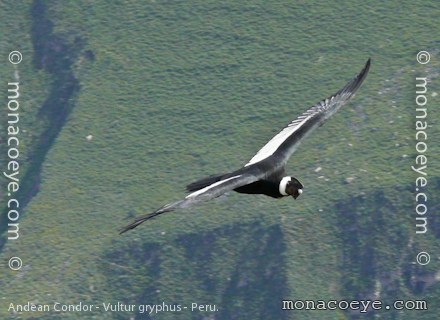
274, 143
201, 191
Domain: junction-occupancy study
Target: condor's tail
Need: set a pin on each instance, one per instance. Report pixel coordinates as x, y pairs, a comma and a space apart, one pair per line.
202, 183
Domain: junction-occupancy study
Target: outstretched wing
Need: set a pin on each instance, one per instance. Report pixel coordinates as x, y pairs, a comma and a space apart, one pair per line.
287, 141
210, 192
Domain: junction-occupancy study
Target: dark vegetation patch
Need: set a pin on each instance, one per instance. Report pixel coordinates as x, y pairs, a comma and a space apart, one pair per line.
55, 54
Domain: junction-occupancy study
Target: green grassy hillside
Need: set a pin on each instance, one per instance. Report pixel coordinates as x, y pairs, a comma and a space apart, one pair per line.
172, 91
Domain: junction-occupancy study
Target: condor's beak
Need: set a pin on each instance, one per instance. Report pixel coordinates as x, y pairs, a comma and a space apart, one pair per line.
297, 193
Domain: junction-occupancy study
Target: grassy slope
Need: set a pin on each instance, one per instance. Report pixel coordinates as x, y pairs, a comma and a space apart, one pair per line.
178, 91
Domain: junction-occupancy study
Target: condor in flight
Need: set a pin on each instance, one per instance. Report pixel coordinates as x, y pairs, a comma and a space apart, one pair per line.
264, 173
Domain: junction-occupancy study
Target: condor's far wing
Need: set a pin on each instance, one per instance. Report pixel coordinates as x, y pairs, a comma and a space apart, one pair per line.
284, 144
210, 192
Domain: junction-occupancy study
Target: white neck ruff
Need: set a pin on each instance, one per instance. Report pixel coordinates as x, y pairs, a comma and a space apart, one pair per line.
283, 185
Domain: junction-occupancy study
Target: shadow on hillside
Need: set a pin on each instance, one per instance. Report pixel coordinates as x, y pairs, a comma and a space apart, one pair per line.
379, 246
238, 268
